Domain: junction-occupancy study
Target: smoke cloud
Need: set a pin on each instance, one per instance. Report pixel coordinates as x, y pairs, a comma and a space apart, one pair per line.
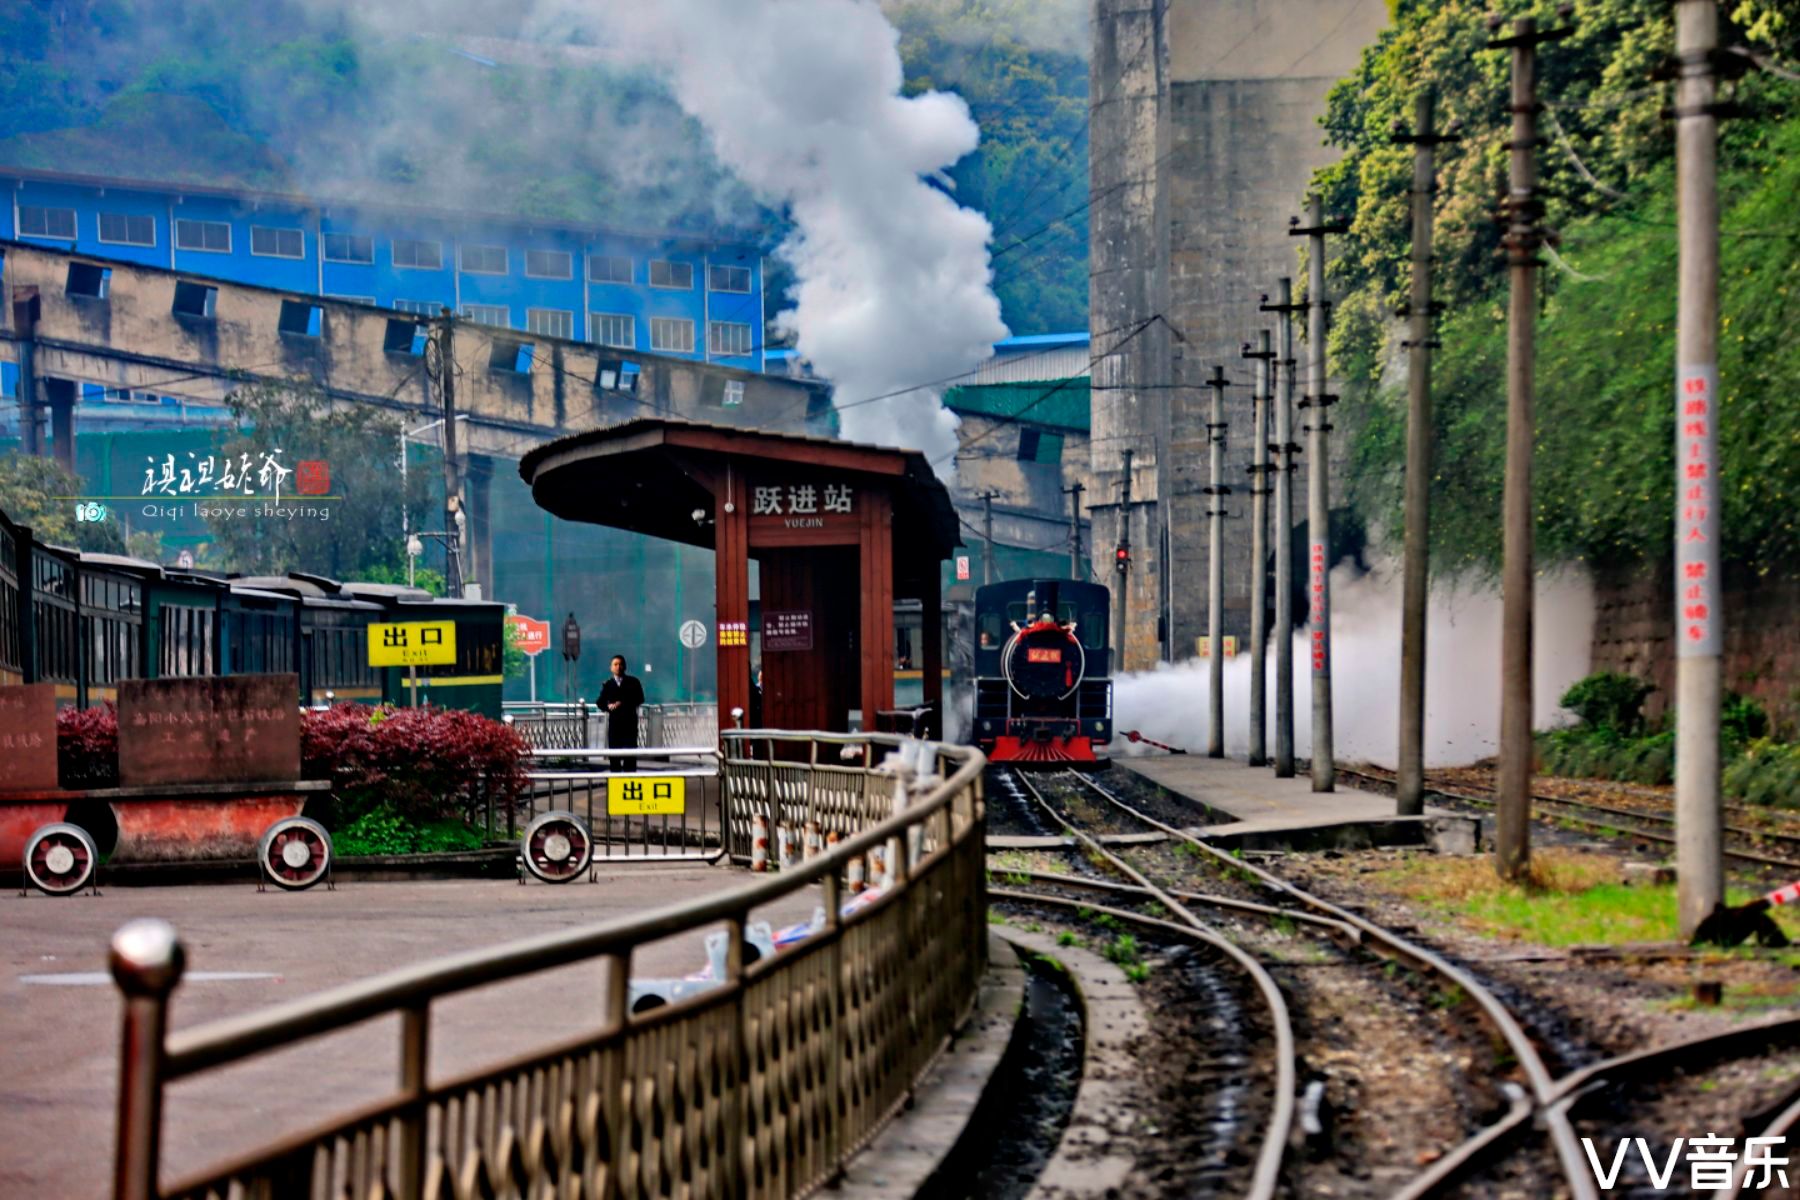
1462, 688
801, 100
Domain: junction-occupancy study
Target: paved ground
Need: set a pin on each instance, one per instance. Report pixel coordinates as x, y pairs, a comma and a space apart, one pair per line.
59, 1025
1254, 797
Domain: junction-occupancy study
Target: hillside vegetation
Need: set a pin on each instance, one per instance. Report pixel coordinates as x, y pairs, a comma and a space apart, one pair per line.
347, 102
1605, 431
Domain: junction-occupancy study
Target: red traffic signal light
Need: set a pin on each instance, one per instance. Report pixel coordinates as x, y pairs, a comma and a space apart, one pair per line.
1122, 557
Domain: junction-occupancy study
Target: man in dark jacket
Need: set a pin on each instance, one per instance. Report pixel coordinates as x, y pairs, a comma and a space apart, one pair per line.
620, 697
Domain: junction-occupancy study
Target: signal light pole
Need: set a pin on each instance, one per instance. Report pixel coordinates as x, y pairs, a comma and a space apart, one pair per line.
1285, 448
1122, 566
1216, 491
1259, 549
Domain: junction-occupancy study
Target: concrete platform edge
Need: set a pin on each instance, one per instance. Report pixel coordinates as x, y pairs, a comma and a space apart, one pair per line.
907, 1158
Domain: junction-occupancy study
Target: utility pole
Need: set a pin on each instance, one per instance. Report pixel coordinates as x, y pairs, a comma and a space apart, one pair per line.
1522, 208
987, 537
1122, 565
1216, 492
1285, 448
453, 505
1259, 548
1700, 621
1424, 139
1318, 493
1073, 492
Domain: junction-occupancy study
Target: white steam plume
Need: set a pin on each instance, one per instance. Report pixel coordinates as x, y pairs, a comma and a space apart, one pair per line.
802, 101
1462, 684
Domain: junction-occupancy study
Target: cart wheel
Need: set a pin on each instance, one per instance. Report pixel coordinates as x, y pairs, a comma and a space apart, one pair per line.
294, 853
557, 847
60, 858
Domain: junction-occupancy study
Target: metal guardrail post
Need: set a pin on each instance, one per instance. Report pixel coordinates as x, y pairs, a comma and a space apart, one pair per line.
733, 1115
415, 1058
146, 961
834, 929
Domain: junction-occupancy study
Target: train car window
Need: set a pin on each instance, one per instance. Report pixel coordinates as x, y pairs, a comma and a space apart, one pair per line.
1093, 630
993, 631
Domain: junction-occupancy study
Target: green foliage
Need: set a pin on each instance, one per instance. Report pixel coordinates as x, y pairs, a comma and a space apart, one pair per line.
362, 537
1604, 486
1767, 773
428, 579
1583, 752
37, 491
381, 830
1608, 700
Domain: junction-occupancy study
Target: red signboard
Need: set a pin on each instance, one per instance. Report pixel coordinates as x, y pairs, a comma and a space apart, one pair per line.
1037, 654
530, 635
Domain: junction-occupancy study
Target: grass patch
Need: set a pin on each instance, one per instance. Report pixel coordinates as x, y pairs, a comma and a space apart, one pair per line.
1571, 899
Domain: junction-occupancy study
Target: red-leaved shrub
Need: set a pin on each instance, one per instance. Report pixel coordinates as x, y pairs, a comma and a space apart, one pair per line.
87, 746
423, 762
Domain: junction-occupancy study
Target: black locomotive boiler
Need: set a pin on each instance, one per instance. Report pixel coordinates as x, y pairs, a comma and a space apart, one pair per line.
1043, 686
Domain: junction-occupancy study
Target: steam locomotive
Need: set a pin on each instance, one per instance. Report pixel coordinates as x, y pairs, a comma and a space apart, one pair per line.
1043, 687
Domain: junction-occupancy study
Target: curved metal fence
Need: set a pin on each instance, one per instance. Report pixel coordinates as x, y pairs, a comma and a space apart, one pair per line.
760, 1086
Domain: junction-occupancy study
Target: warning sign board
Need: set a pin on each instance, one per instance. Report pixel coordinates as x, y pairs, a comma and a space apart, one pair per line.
646, 795
412, 643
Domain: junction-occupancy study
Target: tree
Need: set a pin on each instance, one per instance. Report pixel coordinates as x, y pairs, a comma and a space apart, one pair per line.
38, 492
349, 535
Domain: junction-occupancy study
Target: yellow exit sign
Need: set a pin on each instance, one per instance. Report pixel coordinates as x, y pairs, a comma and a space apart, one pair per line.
646, 795
412, 643
1203, 646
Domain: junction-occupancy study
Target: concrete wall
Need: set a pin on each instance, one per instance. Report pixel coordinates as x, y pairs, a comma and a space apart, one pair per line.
1204, 137
1634, 635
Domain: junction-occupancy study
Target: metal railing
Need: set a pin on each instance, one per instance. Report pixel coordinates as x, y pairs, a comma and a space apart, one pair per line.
576, 781
762, 1086
578, 726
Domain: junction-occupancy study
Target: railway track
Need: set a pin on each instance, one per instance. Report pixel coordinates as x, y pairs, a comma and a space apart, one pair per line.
1519, 1104
1743, 843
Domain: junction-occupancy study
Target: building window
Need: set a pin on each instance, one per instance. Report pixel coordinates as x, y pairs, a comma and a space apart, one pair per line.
369, 300
418, 256
549, 264
268, 242
729, 279
609, 268
420, 308
89, 280
728, 337
127, 229
47, 223
488, 314
674, 335
484, 260
348, 248
664, 274
551, 322
1039, 445
612, 329
301, 318
733, 396
214, 237
195, 299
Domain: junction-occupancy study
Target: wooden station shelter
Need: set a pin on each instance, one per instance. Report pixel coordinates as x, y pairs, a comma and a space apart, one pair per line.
840, 530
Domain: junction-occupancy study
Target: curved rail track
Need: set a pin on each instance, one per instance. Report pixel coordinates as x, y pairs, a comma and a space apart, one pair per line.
1522, 1103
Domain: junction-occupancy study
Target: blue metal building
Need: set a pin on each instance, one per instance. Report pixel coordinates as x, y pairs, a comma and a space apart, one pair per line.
670, 293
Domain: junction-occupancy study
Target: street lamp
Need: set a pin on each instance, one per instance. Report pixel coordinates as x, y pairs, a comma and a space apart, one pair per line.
414, 547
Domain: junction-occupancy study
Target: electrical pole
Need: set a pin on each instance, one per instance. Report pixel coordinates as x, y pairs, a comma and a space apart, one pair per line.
1512, 825
1073, 492
1285, 448
1216, 492
987, 537
1700, 621
1318, 492
1424, 139
1259, 549
453, 507
1122, 565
